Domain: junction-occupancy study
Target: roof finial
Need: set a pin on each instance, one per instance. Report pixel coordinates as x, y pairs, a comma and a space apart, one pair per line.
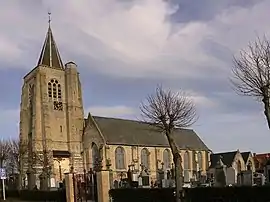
49, 15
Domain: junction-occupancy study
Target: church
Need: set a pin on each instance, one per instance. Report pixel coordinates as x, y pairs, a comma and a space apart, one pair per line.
58, 137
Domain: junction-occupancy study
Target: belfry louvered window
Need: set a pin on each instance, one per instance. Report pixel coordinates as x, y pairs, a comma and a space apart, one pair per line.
54, 89
59, 92
50, 89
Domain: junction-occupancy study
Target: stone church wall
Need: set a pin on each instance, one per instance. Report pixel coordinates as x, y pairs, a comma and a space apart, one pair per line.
133, 157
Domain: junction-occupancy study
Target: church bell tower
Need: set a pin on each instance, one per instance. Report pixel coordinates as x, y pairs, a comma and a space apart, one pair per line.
51, 114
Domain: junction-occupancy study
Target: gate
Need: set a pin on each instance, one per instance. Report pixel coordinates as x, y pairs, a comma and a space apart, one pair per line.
85, 187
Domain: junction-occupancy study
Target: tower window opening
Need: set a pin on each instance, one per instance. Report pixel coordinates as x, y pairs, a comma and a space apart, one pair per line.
59, 91
50, 89
54, 89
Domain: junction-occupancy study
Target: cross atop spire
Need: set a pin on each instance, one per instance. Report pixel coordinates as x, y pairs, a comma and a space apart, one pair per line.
49, 55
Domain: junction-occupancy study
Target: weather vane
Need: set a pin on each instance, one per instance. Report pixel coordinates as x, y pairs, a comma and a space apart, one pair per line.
49, 14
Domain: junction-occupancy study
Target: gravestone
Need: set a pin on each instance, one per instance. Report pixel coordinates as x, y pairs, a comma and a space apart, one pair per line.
220, 174
140, 184
267, 171
115, 184
31, 178
230, 176
245, 178
145, 179
259, 179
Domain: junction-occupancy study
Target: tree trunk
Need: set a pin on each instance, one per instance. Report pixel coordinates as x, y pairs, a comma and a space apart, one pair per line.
178, 167
267, 110
20, 174
178, 177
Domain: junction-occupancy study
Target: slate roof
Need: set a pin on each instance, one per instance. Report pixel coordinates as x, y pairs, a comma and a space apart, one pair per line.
49, 55
245, 156
226, 157
130, 132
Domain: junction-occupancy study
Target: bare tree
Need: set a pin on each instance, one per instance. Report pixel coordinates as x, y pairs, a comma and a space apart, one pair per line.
4, 152
167, 110
251, 73
16, 152
42, 159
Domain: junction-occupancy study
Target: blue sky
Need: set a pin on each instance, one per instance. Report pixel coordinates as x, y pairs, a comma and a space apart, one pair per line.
124, 48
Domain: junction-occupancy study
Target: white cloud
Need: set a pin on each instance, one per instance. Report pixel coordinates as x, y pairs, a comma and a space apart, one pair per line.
200, 100
9, 50
112, 111
140, 41
135, 38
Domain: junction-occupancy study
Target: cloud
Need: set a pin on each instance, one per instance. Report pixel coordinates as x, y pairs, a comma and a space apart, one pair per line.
112, 111
8, 50
200, 100
140, 40
137, 38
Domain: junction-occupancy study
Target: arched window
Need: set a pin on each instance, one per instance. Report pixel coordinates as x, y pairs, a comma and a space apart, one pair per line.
50, 89
95, 155
145, 158
186, 166
194, 160
186, 161
167, 159
31, 91
249, 165
200, 160
59, 91
120, 158
54, 89
238, 167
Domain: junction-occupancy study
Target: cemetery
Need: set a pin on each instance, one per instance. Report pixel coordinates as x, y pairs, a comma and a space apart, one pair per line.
222, 181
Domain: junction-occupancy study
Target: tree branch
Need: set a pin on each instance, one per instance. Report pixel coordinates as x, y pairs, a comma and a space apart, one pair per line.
251, 73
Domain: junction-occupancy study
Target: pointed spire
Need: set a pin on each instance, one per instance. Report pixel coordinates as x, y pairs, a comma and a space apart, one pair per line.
49, 54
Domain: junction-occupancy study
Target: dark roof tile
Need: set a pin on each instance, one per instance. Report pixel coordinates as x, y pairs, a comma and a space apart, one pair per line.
130, 132
245, 156
226, 157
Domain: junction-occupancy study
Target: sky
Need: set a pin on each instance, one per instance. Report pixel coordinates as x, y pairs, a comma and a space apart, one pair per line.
125, 48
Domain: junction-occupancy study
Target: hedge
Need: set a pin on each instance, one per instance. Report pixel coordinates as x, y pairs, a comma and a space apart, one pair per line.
37, 195
200, 194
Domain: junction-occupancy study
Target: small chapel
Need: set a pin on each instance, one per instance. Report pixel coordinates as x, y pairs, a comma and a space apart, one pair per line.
59, 138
